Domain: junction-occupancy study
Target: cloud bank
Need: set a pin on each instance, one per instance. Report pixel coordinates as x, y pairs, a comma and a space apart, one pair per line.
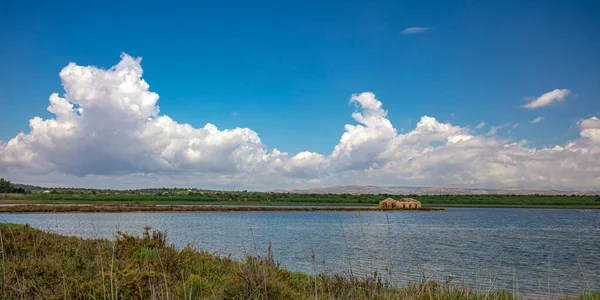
107, 127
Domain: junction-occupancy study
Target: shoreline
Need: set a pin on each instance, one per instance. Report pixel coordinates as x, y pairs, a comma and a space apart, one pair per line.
119, 208
365, 206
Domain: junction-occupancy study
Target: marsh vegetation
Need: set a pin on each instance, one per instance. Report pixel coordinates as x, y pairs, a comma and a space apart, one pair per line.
171, 196
41, 265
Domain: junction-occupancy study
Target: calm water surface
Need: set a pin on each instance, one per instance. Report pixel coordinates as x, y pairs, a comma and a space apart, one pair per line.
532, 251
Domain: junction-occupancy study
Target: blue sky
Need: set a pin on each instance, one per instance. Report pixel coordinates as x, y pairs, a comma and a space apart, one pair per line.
287, 70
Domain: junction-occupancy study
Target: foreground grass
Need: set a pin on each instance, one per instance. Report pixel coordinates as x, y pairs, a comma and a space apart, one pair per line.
41, 265
593, 296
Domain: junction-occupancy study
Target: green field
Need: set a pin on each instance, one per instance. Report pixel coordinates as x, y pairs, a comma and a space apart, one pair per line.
180, 196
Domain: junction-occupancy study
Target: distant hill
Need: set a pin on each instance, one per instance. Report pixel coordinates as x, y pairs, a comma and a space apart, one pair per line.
369, 189
135, 191
350, 189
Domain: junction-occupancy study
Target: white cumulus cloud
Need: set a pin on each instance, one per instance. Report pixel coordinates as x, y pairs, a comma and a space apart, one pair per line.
480, 125
107, 130
117, 129
548, 98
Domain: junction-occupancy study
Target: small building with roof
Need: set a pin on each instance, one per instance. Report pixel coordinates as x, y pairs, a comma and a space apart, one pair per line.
404, 203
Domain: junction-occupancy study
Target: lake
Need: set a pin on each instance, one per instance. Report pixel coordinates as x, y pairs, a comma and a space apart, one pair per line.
532, 251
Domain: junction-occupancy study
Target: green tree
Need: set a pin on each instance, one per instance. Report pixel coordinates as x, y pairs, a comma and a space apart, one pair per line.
6, 186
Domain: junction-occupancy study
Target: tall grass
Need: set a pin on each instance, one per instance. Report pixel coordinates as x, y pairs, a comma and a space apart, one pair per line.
42, 265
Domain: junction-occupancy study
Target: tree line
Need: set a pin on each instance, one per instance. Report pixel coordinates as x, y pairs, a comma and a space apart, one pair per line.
8, 187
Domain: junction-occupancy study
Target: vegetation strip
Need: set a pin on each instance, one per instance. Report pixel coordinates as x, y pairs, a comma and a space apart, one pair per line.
51, 208
10, 193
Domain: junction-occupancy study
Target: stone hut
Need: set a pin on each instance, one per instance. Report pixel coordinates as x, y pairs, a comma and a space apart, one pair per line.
410, 203
388, 203
404, 203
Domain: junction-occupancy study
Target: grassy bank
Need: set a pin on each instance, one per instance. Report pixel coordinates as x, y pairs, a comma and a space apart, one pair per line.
280, 199
95, 208
40, 265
